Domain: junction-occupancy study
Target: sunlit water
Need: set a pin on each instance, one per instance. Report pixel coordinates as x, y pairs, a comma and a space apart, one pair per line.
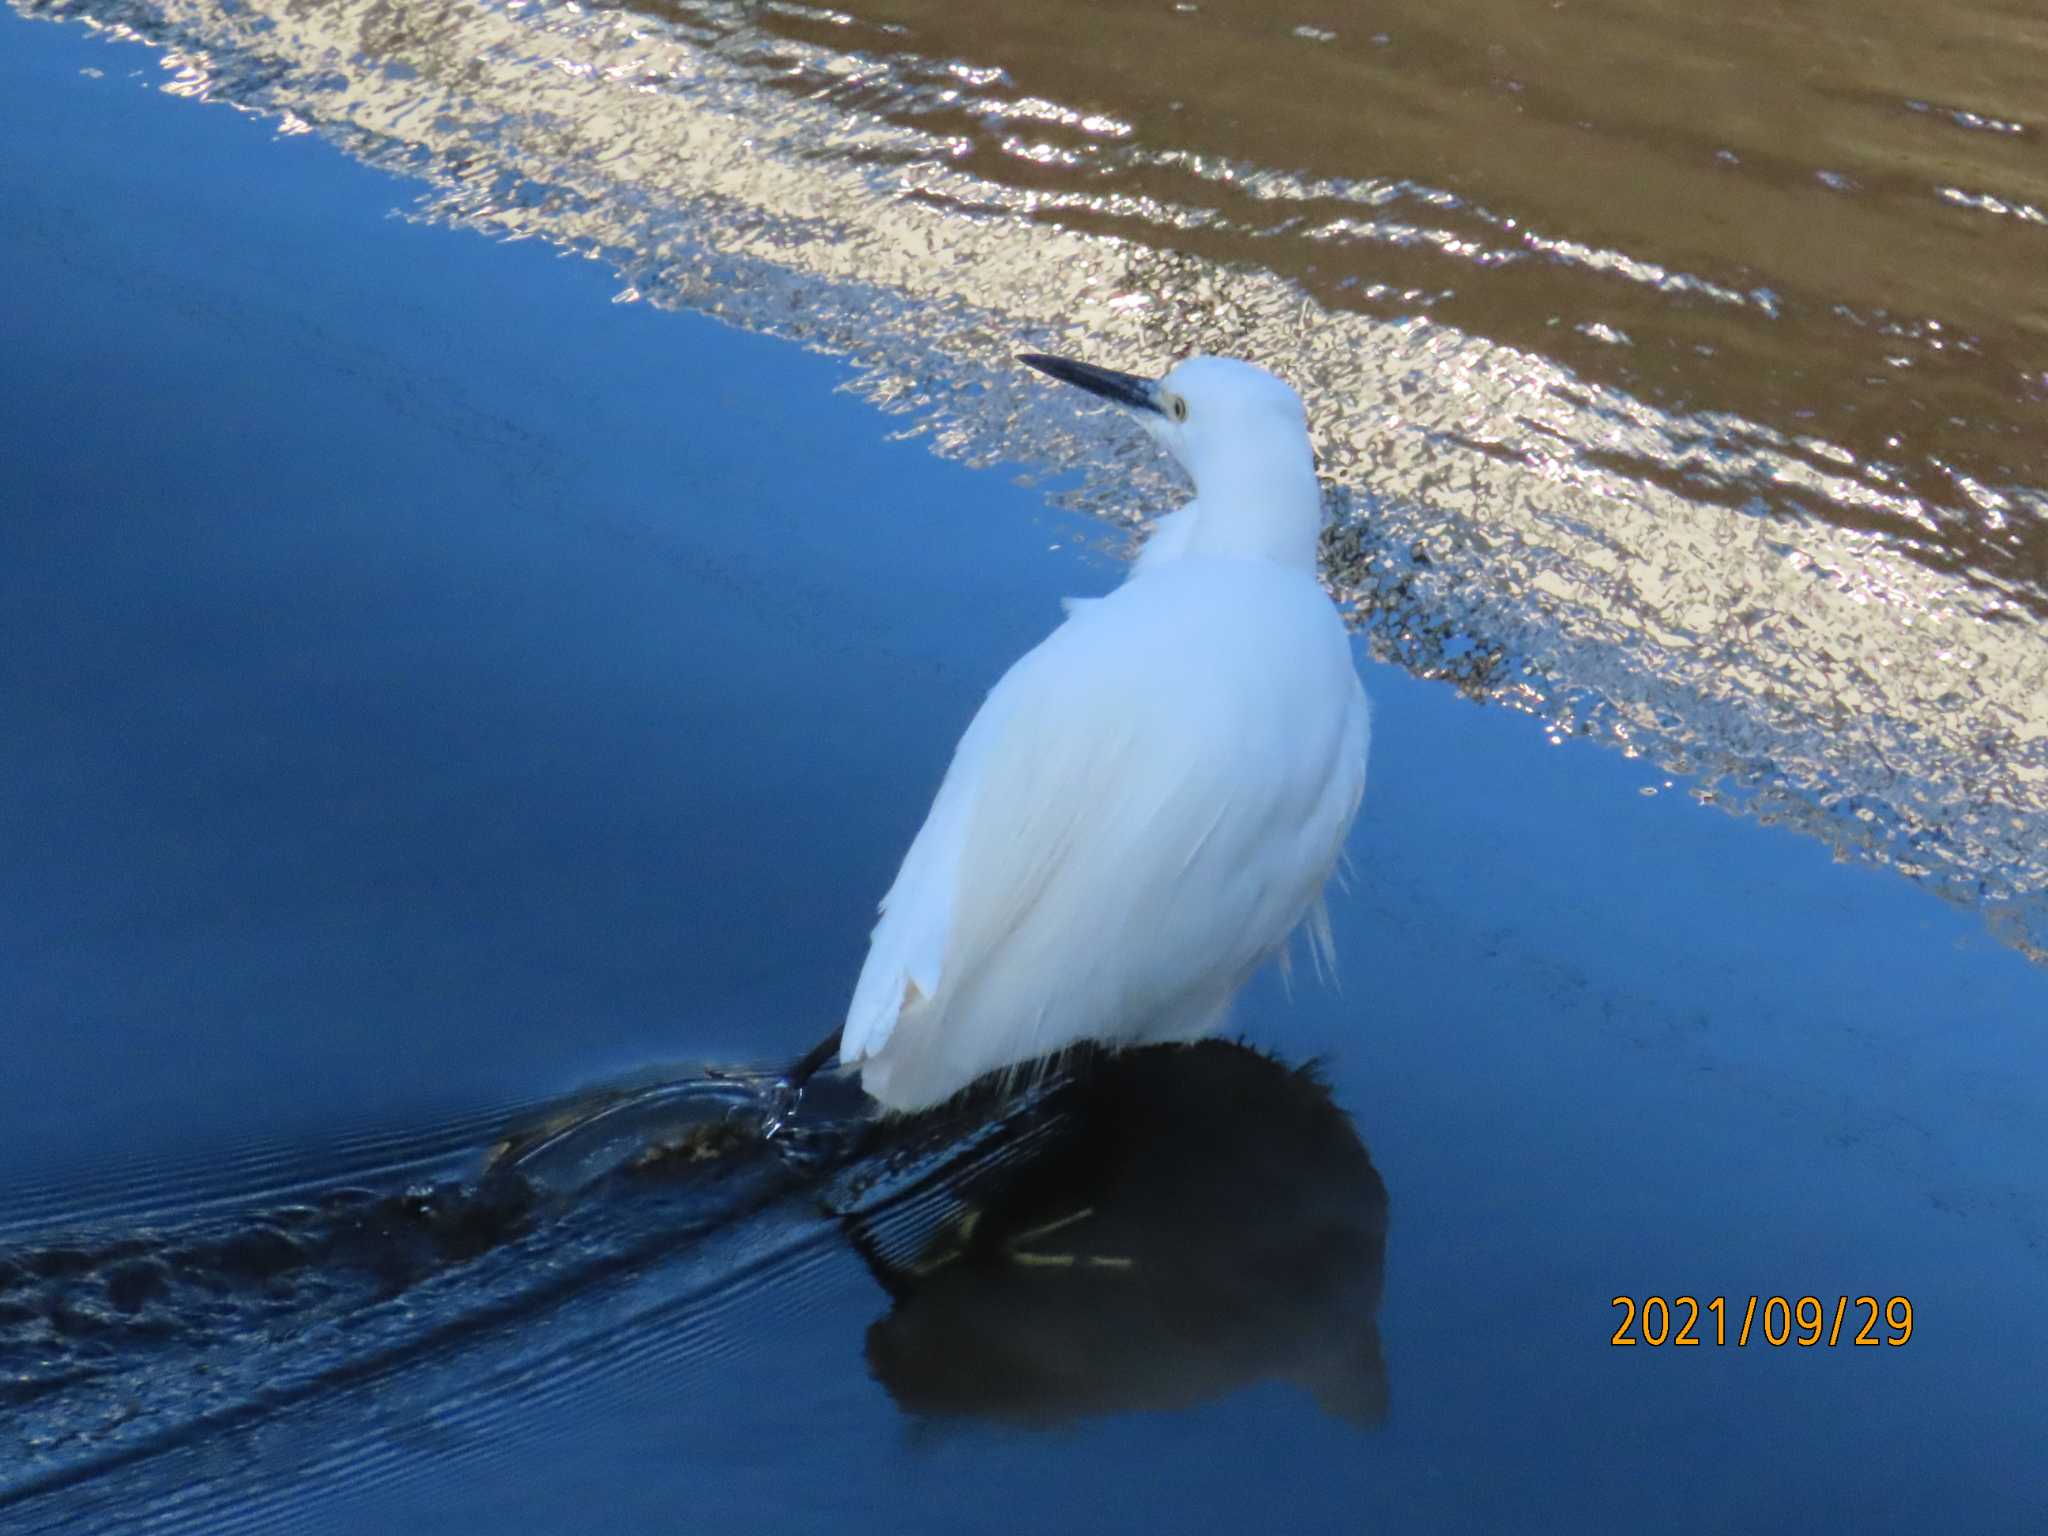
1678, 379
433, 690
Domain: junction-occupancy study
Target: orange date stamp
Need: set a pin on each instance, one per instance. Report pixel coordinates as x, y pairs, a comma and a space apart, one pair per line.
1804, 1321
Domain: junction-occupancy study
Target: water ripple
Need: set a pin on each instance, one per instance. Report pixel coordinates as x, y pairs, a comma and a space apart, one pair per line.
1768, 510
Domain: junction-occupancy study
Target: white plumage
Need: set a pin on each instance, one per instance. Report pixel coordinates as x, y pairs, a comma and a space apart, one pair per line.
1151, 800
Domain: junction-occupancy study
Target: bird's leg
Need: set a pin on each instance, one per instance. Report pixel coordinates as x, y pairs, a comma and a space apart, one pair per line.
807, 1065
787, 1094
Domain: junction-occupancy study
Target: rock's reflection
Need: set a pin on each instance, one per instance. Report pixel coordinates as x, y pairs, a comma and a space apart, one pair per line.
1162, 1228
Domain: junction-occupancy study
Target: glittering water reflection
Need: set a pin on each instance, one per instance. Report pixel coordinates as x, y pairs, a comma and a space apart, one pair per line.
1696, 419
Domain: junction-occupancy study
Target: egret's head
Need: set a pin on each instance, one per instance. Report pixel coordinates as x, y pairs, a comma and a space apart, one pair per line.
1216, 415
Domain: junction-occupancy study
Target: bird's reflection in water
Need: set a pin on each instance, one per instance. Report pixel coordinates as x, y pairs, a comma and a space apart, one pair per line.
1161, 1228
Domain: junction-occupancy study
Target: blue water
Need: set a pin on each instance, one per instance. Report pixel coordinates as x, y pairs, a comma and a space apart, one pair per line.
432, 687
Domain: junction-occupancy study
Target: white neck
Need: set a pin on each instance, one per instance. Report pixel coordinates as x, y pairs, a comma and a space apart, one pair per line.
1258, 507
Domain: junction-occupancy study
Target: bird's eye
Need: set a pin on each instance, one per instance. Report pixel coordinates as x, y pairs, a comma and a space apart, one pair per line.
1177, 408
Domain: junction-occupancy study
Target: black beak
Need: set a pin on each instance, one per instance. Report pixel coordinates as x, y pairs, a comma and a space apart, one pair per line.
1123, 388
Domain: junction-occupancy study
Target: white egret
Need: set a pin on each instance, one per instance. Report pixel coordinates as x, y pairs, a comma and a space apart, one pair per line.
1149, 803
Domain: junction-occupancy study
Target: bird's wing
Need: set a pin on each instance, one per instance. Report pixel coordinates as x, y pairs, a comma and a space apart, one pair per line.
909, 942
908, 947
1102, 740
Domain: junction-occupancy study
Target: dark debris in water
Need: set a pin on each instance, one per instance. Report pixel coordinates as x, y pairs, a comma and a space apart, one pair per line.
125, 1298
82, 1306
713, 1143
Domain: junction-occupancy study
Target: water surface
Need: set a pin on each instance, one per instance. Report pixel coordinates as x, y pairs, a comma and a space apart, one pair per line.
442, 701
1679, 376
